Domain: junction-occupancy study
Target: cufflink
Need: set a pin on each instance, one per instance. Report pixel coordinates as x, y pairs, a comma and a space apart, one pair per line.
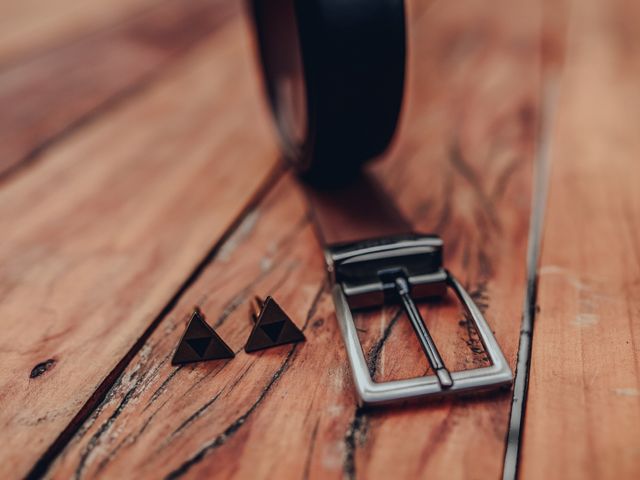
272, 326
200, 342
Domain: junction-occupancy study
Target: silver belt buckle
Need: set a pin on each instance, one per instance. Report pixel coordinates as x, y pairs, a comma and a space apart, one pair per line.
402, 269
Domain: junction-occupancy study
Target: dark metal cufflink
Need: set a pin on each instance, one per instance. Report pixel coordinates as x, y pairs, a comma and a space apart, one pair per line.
200, 342
272, 326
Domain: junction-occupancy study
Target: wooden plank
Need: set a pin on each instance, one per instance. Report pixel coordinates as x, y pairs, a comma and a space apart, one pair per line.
553, 45
28, 27
100, 235
47, 97
583, 409
461, 167
469, 154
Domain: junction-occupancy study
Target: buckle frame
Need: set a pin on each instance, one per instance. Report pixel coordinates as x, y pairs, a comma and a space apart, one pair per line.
403, 268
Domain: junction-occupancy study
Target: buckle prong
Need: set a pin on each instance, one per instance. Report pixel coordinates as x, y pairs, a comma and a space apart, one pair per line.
426, 341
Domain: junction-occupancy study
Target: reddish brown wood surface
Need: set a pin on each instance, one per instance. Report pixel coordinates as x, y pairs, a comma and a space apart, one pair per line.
111, 224
29, 27
54, 93
157, 188
583, 414
462, 164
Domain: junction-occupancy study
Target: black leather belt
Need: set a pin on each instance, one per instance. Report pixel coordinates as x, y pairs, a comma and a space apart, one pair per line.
334, 73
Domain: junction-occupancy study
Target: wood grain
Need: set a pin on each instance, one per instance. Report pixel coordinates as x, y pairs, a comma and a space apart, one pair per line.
583, 413
173, 416
111, 224
47, 97
29, 27
461, 167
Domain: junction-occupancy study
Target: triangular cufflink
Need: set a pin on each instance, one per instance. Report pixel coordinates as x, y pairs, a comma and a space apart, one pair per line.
272, 327
200, 342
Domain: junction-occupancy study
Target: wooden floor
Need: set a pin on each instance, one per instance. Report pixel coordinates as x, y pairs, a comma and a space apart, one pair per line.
140, 177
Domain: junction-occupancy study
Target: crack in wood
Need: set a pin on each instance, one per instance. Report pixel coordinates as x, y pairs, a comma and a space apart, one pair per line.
481, 299
95, 438
353, 436
195, 415
100, 408
356, 434
459, 163
162, 388
128, 440
375, 351
198, 413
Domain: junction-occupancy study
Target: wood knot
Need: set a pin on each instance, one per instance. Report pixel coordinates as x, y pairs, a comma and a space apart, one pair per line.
42, 367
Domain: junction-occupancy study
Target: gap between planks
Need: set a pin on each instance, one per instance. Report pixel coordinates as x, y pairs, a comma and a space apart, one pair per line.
538, 206
554, 32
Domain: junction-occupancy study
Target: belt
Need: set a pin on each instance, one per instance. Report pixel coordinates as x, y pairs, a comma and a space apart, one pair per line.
334, 74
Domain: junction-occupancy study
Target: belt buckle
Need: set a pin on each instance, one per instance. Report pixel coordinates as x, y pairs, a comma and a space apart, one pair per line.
401, 269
